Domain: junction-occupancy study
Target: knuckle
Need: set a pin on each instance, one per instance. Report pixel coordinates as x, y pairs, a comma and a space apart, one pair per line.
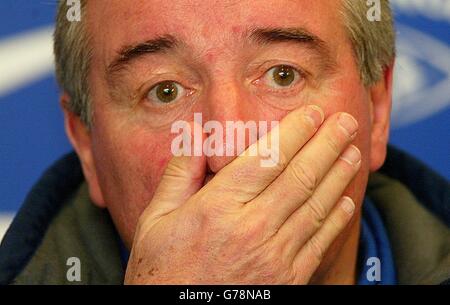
305, 177
282, 162
209, 204
333, 144
175, 168
255, 231
337, 222
209, 214
316, 249
317, 210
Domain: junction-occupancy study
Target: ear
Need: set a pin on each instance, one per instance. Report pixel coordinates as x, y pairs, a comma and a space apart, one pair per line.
380, 109
80, 137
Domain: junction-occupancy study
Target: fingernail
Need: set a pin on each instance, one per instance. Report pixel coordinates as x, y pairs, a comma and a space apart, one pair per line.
348, 123
315, 113
347, 204
351, 155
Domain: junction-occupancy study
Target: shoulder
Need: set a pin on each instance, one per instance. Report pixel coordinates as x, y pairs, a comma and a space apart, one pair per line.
414, 203
44, 201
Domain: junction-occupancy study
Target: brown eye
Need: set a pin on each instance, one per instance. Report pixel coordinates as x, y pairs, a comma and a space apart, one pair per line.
165, 92
283, 76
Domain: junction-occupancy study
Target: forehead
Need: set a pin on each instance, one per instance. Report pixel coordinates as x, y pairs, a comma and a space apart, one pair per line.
205, 24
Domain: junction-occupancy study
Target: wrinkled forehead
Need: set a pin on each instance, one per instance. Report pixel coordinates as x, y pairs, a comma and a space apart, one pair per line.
204, 24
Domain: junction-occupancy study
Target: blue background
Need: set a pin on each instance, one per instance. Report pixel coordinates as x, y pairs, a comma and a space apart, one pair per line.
31, 127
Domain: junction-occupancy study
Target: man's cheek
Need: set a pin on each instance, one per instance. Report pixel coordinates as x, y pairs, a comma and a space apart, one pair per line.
150, 155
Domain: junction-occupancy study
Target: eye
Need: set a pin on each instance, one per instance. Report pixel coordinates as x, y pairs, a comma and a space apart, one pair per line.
165, 92
281, 76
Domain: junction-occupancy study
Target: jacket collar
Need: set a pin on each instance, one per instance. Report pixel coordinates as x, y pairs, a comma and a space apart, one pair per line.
405, 191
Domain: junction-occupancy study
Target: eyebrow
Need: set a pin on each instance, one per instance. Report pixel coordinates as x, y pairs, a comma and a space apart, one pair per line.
296, 35
262, 36
128, 53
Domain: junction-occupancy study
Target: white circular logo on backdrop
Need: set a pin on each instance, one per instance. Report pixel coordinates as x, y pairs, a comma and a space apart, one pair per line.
422, 71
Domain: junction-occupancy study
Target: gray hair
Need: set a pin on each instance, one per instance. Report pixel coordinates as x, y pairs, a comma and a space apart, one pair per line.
71, 46
373, 45
373, 41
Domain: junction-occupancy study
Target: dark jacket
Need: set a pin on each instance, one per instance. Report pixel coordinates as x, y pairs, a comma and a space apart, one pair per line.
58, 221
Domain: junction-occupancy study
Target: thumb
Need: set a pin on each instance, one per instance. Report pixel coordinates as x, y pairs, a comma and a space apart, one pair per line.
184, 174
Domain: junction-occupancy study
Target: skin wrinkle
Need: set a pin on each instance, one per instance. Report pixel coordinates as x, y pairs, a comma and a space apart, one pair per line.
261, 36
322, 57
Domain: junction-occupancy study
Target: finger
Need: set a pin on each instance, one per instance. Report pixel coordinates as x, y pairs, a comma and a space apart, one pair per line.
245, 177
311, 255
183, 177
304, 173
308, 219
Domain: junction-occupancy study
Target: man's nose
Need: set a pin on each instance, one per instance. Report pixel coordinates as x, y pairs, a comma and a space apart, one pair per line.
227, 103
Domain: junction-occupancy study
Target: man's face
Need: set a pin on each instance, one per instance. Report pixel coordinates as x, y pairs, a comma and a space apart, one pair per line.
216, 58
